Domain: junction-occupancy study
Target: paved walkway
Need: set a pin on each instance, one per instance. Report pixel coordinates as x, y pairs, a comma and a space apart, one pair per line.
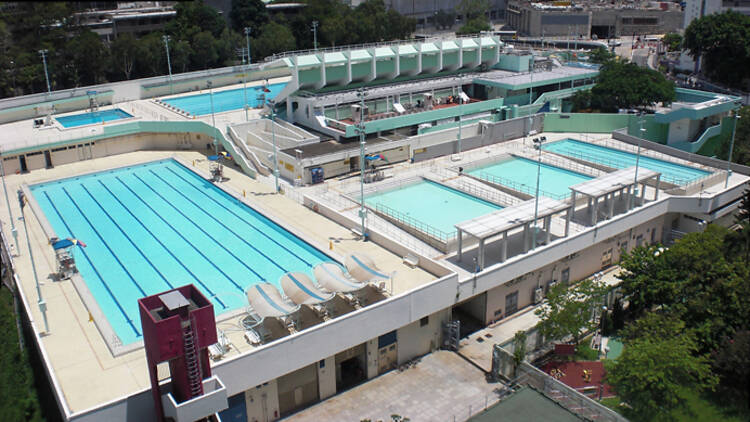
442, 386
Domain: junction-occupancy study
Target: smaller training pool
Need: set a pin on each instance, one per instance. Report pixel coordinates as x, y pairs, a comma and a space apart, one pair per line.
675, 173
200, 104
520, 174
93, 117
430, 207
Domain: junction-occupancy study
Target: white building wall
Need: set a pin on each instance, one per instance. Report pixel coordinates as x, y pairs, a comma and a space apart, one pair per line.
327, 377
416, 340
262, 402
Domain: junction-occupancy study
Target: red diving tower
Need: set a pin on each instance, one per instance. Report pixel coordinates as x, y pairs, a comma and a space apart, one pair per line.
178, 326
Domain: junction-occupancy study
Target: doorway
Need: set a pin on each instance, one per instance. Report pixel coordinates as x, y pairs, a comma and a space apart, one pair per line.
22, 163
47, 160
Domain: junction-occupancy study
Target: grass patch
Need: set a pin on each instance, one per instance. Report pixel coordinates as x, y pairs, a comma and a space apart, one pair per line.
698, 408
19, 400
586, 353
711, 147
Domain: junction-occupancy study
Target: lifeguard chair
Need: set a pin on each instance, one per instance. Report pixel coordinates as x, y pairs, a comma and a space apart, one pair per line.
216, 166
66, 265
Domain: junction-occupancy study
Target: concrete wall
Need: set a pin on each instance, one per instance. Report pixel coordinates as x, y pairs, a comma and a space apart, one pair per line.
417, 340
262, 402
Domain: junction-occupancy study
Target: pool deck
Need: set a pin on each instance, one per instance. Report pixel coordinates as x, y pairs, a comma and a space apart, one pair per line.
84, 370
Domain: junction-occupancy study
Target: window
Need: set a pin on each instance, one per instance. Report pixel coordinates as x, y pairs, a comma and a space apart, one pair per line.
565, 276
322, 363
424, 321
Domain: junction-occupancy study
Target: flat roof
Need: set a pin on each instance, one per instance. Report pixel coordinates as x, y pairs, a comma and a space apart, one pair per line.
525, 80
612, 182
509, 218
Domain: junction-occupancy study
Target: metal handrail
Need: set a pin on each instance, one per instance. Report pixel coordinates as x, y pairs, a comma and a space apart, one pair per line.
521, 187
414, 223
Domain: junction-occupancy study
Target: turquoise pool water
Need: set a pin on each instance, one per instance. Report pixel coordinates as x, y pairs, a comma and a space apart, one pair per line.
670, 172
432, 204
200, 104
520, 174
156, 226
91, 118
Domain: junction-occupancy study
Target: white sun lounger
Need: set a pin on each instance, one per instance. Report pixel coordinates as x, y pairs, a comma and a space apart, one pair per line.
334, 278
300, 289
363, 268
266, 301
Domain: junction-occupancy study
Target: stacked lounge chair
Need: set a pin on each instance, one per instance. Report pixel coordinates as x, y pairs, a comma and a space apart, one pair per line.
272, 310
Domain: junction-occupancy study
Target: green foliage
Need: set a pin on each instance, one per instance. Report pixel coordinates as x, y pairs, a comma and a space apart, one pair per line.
18, 399
124, 52
627, 85
652, 371
731, 361
274, 38
248, 13
445, 19
474, 26
723, 39
741, 150
568, 310
474, 14
601, 55
519, 347
673, 41
586, 353
581, 100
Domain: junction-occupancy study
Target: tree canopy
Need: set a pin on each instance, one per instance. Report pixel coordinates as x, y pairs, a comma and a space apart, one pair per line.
568, 310
475, 16
627, 85
673, 41
723, 40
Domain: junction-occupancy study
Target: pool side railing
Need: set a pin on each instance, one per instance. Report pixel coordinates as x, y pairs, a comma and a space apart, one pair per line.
414, 223
520, 187
497, 197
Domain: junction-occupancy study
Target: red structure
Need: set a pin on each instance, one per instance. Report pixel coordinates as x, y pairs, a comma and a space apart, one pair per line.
178, 326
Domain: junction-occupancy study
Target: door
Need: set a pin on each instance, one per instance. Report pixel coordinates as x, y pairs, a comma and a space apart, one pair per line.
511, 303
22, 163
84, 152
47, 160
387, 358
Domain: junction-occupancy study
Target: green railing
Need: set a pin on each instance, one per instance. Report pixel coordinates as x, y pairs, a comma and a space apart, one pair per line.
414, 223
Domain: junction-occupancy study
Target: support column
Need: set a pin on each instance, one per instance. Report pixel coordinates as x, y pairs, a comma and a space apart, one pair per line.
611, 211
504, 247
548, 225
568, 215
481, 254
630, 201
460, 246
525, 237
643, 192
658, 181
594, 210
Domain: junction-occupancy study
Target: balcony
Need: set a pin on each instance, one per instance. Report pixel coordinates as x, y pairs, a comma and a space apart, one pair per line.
213, 400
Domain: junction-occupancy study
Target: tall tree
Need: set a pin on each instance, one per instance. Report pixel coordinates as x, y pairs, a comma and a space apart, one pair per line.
204, 50
248, 13
673, 41
568, 310
124, 52
627, 85
652, 371
274, 38
731, 361
474, 14
723, 40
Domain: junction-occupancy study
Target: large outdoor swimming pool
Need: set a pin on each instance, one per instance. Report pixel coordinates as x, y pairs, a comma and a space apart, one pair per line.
92, 118
432, 204
520, 174
675, 173
156, 226
200, 104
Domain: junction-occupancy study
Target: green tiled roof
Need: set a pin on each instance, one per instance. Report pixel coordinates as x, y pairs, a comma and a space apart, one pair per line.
382, 52
406, 49
468, 43
309, 60
449, 46
331, 58
428, 47
487, 41
359, 55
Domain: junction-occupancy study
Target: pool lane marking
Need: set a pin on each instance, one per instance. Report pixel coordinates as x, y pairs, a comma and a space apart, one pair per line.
222, 224
260, 278
245, 221
128, 237
106, 245
186, 242
98, 274
159, 241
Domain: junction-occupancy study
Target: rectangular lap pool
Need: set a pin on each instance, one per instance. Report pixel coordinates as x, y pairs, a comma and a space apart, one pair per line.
432, 204
155, 226
520, 174
677, 174
92, 118
200, 104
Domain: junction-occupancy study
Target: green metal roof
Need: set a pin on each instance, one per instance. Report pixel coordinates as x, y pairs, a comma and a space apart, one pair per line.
383, 52
406, 49
287, 61
428, 47
359, 55
332, 58
309, 60
525, 405
449, 46
468, 44
487, 41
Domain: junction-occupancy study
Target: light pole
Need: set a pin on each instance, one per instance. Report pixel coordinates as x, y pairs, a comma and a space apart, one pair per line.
13, 230
537, 146
213, 119
460, 121
169, 62
315, 35
247, 70
531, 75
46, 75
641, 130
40, 301
731, 147
361, 128
272, 115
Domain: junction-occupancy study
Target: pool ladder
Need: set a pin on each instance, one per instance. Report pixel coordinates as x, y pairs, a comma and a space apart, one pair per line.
191, 361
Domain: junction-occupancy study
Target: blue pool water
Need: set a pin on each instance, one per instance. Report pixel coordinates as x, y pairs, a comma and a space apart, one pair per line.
520, 174
433, 204
670, 172
200, 104
155, 226
92, 118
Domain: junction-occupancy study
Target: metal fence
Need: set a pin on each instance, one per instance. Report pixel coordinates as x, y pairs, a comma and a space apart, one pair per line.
414, 223
520, 187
